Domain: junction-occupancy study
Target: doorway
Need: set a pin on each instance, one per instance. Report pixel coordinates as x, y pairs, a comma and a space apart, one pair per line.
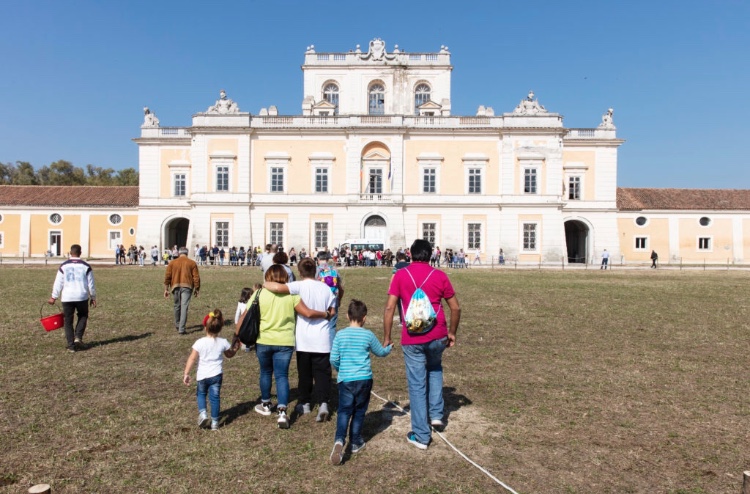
176, 233
55, 242
576, 240
375, 228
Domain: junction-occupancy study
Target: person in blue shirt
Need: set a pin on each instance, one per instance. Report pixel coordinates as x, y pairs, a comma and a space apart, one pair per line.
350, 356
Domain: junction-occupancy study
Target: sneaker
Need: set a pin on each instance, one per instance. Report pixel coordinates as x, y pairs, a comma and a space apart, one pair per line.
78, 343
303, 408
264, 408
283, 420
356, 449
337, 455
71, 350
322, 413
214, 425
203, 420
412, 438
438, 425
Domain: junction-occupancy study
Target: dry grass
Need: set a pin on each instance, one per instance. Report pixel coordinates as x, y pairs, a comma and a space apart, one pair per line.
561, 382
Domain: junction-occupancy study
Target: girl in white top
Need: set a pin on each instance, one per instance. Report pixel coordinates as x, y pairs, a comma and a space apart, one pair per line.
209, 351
242, 305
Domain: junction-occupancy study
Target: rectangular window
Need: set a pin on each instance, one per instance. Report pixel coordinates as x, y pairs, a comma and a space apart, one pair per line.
574, 188
529, 236
474, 236
428, 233
321, 236
641, 243
180, 185
276, 233
222, 234
529, 181
375, 184
321, 180
222, 178
277, 180
429, 180
2, 240
475, 180
115, 239
704, 243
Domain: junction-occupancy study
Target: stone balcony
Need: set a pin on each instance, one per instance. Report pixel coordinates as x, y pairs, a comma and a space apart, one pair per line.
356, 58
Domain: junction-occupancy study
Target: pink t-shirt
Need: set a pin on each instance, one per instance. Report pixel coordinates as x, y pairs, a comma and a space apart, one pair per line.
437, 287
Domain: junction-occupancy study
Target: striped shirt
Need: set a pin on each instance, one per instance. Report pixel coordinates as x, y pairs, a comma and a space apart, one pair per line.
350, 354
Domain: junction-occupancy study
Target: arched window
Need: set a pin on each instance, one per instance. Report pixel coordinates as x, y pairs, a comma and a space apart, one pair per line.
377, 99
421, 96
331, 95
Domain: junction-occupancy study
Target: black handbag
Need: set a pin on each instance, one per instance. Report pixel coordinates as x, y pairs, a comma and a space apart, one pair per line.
250, 327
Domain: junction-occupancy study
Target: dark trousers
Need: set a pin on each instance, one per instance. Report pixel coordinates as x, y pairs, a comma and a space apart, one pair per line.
69, 310
314, 367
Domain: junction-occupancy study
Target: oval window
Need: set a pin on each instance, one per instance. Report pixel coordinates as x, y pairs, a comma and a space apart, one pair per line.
132, 231
705, 221
55, 218
641, 220
115, 219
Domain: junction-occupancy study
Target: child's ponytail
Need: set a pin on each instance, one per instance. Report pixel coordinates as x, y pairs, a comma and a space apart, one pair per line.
215, 322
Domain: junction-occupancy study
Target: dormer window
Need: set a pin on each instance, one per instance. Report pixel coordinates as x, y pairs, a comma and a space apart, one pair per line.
331, 95
421, 96
377, 99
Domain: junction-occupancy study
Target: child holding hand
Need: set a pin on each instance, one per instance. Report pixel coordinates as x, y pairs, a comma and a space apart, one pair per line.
350, 356
209, 351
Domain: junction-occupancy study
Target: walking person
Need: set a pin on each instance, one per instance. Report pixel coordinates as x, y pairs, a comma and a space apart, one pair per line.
654, 258
331, 277
184, 281
423, 352
74, 286
209, 351
605, 259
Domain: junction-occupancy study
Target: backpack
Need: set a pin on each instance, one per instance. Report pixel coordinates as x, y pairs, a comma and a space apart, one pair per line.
250, 328
420, 317
330, 277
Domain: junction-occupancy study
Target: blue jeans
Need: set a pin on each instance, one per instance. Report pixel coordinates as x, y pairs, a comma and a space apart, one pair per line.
212, 387
354, 397
274, 360
332, 326
181, 303
424, 376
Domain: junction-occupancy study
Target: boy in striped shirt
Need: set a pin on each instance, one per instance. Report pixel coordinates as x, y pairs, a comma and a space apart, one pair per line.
350, 356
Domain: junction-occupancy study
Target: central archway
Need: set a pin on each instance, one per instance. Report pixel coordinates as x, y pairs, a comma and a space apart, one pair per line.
176, 233
375, 228
576, 240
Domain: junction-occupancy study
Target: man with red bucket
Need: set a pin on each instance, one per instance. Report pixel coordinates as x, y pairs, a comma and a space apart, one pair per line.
75, 280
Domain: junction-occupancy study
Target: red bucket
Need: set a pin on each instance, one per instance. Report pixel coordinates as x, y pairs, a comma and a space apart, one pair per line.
53, 322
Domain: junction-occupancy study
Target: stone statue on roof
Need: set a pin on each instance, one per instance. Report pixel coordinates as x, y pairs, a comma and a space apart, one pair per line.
529, 106
607, 122
149, 119
223, 105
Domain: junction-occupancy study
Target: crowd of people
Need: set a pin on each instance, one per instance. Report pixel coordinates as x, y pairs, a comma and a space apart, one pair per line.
300, 317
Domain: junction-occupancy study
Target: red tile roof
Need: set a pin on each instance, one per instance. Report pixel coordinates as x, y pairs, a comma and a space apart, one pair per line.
69, 196
691, 199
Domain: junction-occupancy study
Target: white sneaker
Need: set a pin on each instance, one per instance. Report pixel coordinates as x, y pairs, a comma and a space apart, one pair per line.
214, 425
264, 408
304, 408
322, 413
337, 455
203, 420
283, 420
438, 425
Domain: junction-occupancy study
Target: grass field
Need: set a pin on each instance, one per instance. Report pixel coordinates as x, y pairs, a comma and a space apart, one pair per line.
571, 382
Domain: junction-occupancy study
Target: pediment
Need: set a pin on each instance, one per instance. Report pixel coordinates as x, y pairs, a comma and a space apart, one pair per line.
324, 105
376, 155
430, 105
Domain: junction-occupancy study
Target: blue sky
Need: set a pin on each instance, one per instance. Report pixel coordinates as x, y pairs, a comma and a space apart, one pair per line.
76, 75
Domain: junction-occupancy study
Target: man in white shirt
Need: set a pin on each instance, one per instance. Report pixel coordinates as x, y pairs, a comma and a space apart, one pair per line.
74, 285
312, 339
266, 260
605, 259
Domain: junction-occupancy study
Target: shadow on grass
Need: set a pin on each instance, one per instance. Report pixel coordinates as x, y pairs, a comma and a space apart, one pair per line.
452, 402
231, 414
120, 339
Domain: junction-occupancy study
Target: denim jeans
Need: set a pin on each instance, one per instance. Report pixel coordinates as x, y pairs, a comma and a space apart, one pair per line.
274, 360
69, 311
424, 376
332, 325
212, 387
181, 304
354, 397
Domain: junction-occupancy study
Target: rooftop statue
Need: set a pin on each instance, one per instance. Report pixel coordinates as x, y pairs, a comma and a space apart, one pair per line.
223, 105
607, 122
529, 106
376, 52
149, 119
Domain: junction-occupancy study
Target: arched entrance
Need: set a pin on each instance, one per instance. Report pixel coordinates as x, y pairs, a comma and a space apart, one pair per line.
176, 233
576, 240
375, 228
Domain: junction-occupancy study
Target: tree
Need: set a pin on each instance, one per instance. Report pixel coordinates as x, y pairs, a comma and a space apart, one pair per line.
127, 176
24, 174
6, 173
64, 173
96, 175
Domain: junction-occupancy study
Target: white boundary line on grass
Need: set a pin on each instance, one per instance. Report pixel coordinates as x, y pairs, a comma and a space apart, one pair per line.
509, 489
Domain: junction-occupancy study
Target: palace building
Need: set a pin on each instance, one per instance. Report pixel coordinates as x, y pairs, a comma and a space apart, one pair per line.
376, 153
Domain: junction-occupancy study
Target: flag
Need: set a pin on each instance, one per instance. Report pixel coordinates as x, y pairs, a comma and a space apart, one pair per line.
390, 175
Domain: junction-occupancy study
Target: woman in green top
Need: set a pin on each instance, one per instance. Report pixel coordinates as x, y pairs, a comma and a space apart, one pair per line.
275, 344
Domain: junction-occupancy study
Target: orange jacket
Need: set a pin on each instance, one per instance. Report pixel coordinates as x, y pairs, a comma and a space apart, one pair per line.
182, 273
